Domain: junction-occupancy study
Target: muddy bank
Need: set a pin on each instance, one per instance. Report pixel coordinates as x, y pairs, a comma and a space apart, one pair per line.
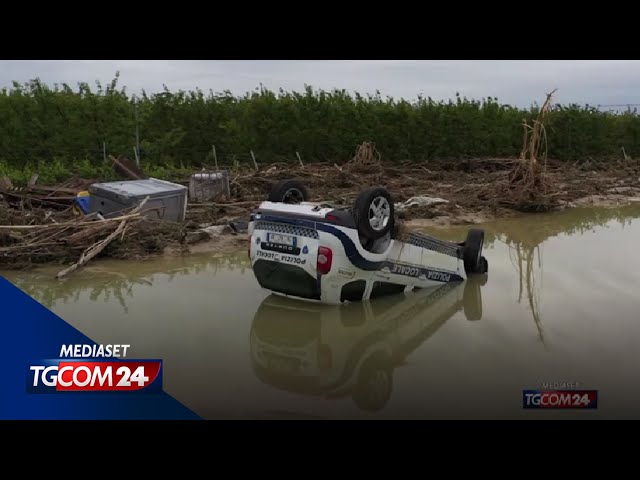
469, 188
460, 193
216, 243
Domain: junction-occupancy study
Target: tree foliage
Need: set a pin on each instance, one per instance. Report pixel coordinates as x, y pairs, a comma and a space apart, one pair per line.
41, 124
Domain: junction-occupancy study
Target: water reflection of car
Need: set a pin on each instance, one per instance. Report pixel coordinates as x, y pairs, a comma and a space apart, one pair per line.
335, 351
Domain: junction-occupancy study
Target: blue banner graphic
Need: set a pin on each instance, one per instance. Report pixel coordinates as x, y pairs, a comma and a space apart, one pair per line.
30, 331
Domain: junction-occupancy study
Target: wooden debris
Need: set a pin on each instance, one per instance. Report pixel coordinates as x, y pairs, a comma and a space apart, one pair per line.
97, 247
127, 168
93, 250
366, 159
39, 236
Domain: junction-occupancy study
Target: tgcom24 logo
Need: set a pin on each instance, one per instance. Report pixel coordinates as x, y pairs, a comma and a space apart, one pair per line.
560, 399
94, 368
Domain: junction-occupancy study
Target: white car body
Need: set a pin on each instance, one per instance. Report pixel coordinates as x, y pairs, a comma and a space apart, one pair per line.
286, 241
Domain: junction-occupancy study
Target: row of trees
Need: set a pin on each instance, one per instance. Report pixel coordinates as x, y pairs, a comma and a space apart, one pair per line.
41, 123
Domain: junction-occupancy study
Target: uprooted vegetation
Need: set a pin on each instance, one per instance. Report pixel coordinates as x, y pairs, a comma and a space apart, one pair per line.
528, 183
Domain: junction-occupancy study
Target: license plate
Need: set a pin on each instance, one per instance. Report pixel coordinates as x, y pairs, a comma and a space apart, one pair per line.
289, 240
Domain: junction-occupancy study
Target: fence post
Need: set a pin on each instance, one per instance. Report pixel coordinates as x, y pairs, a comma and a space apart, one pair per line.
626, 158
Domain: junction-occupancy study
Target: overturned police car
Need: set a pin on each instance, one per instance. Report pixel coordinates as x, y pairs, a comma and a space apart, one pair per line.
320, 252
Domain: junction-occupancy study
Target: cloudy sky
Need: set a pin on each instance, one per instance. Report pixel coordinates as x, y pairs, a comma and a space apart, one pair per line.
518, 82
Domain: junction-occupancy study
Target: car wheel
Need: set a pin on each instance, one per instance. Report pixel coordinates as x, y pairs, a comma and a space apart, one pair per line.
484, 266
472, 252
373, 213
289, 191
374, 383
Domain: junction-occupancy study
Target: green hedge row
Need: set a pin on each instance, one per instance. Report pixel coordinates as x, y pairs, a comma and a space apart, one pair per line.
43, 124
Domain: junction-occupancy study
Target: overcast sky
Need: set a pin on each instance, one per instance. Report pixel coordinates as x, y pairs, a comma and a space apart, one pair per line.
518, 82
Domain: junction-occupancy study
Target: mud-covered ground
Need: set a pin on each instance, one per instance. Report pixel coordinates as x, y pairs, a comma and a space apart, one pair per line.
472, 191
470, 187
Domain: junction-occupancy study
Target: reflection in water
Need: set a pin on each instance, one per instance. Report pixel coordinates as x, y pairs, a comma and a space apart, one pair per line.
526, 236
117, 284
525, 245
335, 351
523, 257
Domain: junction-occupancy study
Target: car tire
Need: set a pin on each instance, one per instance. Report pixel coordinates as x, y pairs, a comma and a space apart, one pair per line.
289, 191
472, 253
374, 213
484, 266
395, 230
374, 383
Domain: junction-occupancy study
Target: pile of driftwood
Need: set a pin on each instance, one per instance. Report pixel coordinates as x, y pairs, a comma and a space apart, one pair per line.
95, 231
80, 238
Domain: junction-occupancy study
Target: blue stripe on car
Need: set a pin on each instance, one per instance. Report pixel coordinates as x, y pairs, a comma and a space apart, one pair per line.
352, 252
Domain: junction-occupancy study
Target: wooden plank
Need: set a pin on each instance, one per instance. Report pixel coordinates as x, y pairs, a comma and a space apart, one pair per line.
125, 168
39, 198
46, 188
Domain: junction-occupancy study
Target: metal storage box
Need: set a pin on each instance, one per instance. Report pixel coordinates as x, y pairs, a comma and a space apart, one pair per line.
168, 199
204, 186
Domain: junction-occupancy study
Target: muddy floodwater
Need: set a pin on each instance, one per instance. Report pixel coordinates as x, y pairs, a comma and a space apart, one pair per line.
561, 305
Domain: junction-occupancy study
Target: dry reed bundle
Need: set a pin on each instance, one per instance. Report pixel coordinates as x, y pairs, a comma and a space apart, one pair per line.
366, 159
